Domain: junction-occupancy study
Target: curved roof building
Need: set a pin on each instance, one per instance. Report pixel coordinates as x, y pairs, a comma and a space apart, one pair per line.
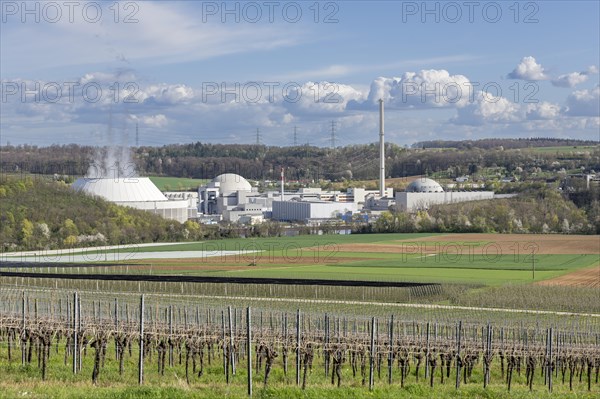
135, 192
420, 194
424, 185
230, 183
121, 190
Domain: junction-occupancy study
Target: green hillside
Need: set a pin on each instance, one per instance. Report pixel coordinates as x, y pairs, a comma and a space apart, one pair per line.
44, 214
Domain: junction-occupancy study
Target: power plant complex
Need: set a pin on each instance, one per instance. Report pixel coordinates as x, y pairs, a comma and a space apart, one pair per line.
231, 198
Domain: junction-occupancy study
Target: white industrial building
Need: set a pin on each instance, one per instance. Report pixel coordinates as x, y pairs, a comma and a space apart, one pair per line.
190, 196
310, 211
420, 194
232, 198
135, 192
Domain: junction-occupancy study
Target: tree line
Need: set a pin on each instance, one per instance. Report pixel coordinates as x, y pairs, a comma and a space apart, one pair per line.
309, 163
505, 143
538, 210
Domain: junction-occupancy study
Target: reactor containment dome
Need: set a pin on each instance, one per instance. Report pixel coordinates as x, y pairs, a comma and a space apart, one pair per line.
135, 192
230, 183
424, 185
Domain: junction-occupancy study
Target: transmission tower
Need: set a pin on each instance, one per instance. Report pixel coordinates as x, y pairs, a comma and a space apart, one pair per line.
137, 135
333, 135
257, 136
295, 136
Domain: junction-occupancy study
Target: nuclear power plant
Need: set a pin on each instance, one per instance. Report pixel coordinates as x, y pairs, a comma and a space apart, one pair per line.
231, 198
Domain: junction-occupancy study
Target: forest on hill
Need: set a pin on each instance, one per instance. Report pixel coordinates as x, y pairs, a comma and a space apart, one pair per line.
505, 143
44, 214
309, 163
539, 210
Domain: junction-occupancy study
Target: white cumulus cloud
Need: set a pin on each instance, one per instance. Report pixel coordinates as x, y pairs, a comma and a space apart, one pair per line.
528, 69
433, 88
584, 103
542, 110
488, 109
156, 121
570, 79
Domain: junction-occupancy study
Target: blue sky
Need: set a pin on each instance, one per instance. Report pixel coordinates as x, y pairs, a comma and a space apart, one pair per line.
446, 70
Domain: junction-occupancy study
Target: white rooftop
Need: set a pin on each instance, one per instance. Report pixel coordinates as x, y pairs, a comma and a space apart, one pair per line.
230, 183
424, 185
134, 189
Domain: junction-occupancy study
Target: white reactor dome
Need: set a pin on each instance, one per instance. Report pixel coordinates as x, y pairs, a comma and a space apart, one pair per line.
134, 192
134, 189
230, 183
424, 185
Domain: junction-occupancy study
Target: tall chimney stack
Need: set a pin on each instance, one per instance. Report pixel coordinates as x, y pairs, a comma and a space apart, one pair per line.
282, 184
381, 152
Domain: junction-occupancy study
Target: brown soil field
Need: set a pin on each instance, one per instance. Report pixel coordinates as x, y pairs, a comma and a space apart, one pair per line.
405, 247
553, 244
508, 244
239, 262
580, 278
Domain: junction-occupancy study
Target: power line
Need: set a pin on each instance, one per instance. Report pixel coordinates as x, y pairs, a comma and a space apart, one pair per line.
295, 136
333, 135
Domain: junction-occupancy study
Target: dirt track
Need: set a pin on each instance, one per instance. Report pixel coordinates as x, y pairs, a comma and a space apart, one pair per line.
581, 278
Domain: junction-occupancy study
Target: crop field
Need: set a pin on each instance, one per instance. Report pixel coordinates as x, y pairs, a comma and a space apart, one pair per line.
452, 258
475, 270
589, 277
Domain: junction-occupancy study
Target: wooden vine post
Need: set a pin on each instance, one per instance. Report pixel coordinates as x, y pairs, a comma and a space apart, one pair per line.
458, 358
298, 347
141, 358
75, 332
249, 348
372, 355
23, 330
391, 354
231, 343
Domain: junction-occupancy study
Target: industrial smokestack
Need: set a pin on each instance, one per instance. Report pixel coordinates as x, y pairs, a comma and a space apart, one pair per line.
282, 183
381, 152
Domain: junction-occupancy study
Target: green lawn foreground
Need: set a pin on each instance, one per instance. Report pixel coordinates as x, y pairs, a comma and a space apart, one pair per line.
17, 381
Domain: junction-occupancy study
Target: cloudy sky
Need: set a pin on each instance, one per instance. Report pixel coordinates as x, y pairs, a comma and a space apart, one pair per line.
88, 72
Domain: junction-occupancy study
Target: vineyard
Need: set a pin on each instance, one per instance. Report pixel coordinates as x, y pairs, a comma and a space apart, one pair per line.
380, 316
106, 337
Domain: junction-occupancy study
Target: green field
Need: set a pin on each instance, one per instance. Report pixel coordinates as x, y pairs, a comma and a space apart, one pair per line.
18, 381
165, 183
333, 257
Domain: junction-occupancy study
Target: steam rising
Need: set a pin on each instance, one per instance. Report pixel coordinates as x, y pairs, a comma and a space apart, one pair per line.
110, 162
114, 160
